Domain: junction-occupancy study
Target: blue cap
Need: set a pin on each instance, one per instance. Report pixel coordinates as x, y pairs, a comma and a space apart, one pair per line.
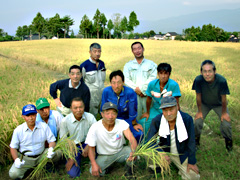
29, 109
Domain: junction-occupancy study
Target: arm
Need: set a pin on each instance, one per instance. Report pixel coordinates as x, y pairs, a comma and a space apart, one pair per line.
95, 167
133, 143
224, 115
14, 153
199, 104
85, 151
86, 98
53, 92
52, 144
104, 98
148, 104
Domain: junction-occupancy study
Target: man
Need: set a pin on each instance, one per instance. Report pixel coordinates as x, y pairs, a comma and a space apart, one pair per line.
138, 73
51, 117
70, 88
107, 135
211, 90
155, 92
76, 125
176, 131
28, 143
125, 99
94, 74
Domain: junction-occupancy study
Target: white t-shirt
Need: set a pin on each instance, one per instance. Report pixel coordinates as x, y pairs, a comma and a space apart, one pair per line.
107, 142
173, 143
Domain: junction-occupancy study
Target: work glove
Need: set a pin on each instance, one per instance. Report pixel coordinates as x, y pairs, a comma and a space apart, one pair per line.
50, 153
18, 163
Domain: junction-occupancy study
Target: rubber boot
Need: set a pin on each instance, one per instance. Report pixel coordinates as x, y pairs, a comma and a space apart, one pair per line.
229, 144
197, 142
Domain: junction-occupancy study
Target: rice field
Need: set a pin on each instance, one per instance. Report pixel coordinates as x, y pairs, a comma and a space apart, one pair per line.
32, 66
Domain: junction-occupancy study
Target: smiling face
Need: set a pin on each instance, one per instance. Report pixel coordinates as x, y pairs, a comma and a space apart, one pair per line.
77, 108
95, 54
117, 84
75, 76
137, 50
30, 120
208, 73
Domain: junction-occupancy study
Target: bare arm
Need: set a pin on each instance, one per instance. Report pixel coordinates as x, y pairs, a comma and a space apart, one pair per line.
14, 153
95, 167
52, 144
199, 104
224, 115
133, 143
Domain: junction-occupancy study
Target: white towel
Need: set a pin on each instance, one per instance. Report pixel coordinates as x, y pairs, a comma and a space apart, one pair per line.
181, 129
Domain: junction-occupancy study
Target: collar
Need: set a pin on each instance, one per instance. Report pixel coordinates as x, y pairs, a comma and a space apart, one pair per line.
92, 61
25, 126
39, 118
70, 84
73, 119
135, 60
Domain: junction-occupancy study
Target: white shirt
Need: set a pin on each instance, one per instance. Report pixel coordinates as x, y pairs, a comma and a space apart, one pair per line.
173, 148
107, 142
24, 138
139, 75
76, 129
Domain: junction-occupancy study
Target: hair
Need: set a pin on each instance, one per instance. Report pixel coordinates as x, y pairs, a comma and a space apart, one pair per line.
137, 42
208, 62
77, 99
94, 45
164, 67
75, 67
116, 73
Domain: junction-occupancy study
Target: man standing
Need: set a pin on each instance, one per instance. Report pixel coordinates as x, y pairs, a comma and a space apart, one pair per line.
70, 88
176, 131
94, 74
138, 73
28, 143
51, 117
76, 125
211, 90
107, 136
125, 99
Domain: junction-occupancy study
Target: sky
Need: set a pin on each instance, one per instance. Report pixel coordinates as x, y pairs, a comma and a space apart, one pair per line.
14, 13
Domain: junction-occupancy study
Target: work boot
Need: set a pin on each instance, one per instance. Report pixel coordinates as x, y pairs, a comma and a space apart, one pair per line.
197, 143
129, 172
229, 144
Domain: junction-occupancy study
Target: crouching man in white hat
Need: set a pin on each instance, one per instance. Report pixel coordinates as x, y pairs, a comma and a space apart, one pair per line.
176, 131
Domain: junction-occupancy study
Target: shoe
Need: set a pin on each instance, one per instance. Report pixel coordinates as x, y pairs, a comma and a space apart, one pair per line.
229, 145
197, 143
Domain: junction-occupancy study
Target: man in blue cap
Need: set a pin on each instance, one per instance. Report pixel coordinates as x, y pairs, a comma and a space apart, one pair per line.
28, 143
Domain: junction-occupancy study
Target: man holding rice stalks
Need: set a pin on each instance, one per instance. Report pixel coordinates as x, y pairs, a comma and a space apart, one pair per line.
76, 125
28, 143
177, 137
107, 137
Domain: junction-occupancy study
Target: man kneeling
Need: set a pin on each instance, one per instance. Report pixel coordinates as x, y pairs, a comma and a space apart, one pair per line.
108, 136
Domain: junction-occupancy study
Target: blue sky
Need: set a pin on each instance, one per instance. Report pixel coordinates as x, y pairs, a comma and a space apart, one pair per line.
14, 13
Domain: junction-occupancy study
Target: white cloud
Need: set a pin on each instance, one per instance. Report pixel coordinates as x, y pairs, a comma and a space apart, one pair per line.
186, 3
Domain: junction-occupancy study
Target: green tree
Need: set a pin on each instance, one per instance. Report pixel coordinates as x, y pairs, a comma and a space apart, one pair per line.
19, 32
85, 25
133, 22
38, 23
97, 22
152, 33
103, 23
66, 22
116, 19
110, 27
123, 25
54, 25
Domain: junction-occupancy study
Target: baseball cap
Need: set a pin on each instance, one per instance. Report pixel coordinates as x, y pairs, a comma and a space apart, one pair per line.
41, 103
29, 109
168, 101
109, 105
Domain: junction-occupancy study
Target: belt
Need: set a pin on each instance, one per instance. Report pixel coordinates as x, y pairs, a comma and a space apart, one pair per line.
34, 156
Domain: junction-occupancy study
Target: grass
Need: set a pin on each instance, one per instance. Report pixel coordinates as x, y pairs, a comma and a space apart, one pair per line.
28, 78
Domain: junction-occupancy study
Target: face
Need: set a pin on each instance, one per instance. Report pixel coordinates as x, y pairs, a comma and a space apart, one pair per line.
170, 113
163, 76
95, 54
117, 84
75, 75
137, 50
44, 112
77, 108
30, 119
208, 73
109, 116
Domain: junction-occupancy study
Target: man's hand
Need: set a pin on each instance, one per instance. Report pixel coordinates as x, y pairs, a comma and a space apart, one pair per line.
96, 169
145, 115
69, 164
168, 159
138, 91
50, 153
58, 102
18, 163
225, 116
131, 158
138, 127
85, 151
198, 115
192, 167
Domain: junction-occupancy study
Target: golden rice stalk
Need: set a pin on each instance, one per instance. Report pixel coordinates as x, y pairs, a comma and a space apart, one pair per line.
68, 149
153, 156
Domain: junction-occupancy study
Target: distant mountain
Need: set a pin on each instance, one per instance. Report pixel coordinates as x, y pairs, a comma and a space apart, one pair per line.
228, 20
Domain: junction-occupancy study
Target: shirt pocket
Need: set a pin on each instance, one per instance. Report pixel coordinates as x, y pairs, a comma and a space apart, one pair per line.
124, 106
103, 74
146, 72
90, 76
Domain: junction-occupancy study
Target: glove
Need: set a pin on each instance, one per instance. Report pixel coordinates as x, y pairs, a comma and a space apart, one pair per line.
18, 163
50, 153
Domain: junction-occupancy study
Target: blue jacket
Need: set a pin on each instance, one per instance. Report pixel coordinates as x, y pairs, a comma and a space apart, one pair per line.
126, 103
186, 149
